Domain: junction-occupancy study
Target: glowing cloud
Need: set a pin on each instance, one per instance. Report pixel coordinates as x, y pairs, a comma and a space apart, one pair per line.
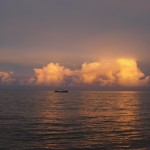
97, 72
119, 72
6, 77
89, 72
130, 75
52, 74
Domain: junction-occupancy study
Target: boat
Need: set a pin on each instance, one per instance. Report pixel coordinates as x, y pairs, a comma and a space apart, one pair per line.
61, 91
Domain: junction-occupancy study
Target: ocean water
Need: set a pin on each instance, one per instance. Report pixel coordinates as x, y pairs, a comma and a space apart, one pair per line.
43, 120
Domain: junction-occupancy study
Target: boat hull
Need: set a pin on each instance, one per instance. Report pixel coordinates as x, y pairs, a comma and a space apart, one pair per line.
61, 91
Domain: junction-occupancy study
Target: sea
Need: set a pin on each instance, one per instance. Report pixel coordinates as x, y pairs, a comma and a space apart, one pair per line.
90, 120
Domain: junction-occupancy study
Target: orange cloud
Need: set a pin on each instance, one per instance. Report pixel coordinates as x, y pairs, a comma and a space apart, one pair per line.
89, 72
119, 72
130, 75
6, 77
52, 74
98, 72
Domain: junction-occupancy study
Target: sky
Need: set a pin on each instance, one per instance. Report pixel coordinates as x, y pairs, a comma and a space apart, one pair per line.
76, 43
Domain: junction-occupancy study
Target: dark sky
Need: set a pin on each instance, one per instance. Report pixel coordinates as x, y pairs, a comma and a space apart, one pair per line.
34, 33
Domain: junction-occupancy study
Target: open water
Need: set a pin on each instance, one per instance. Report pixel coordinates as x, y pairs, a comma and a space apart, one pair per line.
43, 120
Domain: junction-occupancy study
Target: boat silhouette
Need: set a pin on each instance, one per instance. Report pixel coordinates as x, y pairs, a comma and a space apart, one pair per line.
61, 91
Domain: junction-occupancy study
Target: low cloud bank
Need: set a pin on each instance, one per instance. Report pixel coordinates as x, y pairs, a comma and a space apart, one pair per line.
119, 72
107, 73
6, 77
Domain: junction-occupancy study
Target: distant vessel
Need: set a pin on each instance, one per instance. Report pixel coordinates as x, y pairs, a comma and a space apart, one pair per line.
61, 91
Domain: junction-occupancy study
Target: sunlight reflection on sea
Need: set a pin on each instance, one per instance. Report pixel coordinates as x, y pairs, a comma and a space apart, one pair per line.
80, 120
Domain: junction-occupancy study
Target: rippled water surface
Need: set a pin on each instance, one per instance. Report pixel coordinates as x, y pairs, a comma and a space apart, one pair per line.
41, 120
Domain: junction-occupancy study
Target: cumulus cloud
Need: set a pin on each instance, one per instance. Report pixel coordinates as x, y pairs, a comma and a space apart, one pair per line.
52, 74
130, 75
6, 77
119, 72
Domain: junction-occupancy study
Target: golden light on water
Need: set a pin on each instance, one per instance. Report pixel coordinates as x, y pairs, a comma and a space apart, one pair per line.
98, 115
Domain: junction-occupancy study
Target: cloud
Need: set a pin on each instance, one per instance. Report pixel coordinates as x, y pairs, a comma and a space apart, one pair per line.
52, 74
119, 72
27, 81
6, 77
130, 75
